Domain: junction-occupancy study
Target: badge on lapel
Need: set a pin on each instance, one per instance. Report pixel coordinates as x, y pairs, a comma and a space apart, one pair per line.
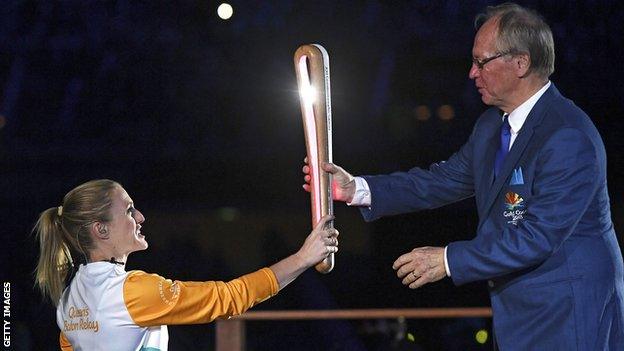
514, 208
516, 177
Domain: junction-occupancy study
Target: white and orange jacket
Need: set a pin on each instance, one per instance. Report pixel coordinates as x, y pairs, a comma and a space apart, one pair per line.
107, 308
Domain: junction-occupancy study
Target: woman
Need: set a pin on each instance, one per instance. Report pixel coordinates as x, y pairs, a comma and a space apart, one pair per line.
106, 308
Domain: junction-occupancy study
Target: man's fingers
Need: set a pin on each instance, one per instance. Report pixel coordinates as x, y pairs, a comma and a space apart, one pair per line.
329, 167
398, 263
405, 270
306, 187
420, 266
403, 259
305, 169
422, 280
410, 278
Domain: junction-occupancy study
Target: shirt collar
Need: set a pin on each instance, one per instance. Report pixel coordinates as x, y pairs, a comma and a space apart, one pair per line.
518, 116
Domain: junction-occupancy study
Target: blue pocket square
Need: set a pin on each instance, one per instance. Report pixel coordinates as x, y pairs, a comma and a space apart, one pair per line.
516, 177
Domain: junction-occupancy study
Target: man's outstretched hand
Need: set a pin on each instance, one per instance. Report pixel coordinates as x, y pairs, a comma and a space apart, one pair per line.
420, 266
343, 183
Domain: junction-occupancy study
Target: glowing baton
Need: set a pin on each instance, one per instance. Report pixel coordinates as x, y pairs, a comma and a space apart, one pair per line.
312, 68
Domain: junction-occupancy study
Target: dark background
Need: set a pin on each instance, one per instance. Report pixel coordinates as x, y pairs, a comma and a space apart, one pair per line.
199, 119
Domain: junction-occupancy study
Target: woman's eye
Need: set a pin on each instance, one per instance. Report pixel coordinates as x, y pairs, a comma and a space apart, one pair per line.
131, 210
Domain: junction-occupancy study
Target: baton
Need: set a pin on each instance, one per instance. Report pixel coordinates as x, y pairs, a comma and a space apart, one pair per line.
312, 68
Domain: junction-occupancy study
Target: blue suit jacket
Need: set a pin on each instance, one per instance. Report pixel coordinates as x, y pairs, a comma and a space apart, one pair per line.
545, 240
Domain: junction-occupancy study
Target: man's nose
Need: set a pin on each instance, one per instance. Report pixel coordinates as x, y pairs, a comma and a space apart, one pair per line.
474, 71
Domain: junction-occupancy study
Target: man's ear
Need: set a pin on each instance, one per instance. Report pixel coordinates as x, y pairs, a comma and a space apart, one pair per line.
99, 230
522, 63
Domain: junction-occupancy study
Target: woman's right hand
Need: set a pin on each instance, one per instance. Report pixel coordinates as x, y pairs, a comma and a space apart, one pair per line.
320, 243
317, 246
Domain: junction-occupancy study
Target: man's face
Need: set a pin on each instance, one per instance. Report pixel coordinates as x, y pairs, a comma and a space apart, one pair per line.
496, 79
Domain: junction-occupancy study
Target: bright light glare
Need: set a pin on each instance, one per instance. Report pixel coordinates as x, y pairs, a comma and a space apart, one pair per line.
308, 93
225, 11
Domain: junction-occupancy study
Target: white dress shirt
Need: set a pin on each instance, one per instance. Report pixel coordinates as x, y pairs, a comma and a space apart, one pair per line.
517, 117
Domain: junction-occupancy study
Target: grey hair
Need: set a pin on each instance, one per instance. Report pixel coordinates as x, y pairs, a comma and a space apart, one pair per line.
522, 31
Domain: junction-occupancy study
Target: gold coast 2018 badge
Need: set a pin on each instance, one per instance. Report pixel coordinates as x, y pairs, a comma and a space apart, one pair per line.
514, 208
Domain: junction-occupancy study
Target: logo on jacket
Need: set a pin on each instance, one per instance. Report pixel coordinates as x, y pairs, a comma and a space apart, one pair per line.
513, 201
514, 208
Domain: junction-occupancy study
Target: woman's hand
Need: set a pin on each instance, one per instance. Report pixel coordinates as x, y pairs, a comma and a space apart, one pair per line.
319, 244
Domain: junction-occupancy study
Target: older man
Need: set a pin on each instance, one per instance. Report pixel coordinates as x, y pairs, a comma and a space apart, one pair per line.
536, 166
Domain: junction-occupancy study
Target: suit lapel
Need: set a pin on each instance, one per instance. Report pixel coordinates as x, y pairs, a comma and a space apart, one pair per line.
522, 140
488, 172
510, 162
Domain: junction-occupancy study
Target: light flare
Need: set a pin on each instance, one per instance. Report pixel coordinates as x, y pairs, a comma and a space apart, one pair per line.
308, 96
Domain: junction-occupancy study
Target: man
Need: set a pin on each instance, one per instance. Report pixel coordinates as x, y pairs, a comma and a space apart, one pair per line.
536, 166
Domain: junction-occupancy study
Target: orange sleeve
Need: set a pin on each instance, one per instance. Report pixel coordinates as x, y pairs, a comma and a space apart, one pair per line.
65, 345
153, 300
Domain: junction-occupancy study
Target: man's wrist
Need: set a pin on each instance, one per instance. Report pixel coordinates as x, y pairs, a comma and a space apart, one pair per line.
362, 194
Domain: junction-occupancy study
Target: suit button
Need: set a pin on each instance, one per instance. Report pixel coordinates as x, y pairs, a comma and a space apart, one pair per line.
490, 283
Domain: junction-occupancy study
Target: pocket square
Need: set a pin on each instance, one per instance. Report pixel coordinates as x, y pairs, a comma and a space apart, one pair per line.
516, 177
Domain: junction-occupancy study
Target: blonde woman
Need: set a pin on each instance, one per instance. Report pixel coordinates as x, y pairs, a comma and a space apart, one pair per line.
105, 307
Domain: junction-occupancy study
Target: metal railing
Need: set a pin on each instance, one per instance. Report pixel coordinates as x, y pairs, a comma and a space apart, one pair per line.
231, 332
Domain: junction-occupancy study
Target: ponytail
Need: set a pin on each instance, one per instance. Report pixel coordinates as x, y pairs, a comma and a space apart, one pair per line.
65, 229
55, 259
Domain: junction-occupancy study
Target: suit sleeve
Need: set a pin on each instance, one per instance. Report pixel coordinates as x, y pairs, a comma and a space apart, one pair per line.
566, 179
419, 189
64, 343
153, 300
